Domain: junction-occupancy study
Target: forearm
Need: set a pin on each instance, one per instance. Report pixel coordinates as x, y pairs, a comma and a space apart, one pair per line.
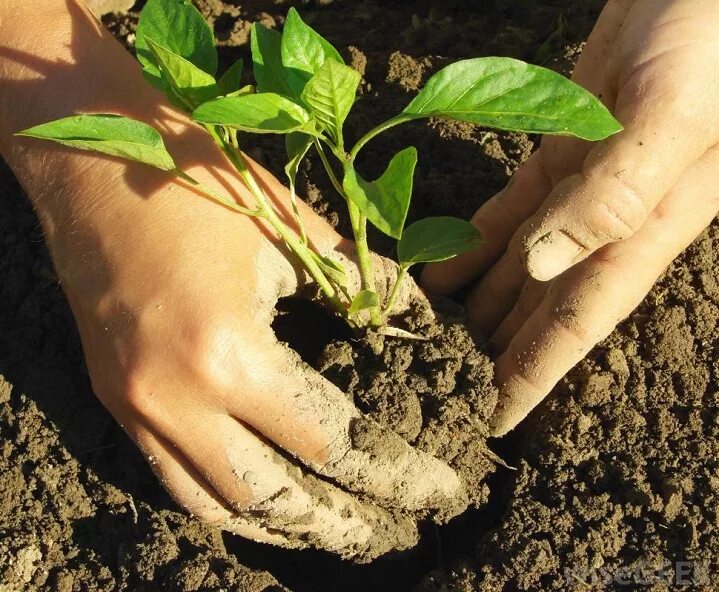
55, 60
78, 67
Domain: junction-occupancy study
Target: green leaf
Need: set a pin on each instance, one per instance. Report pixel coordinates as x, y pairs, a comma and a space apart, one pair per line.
189, 84
267, 61
363, 300
297, 144
304, 51
230, 81
511, 95
108, 134
178, 26
262, 113
330, 95
248, 89
385, 201
437, 239
334, 270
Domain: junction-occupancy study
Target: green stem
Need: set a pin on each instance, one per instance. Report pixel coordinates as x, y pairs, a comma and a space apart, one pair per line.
359, 230
376, 132
328, 167
395, 290
214, 196
302, 251
296, 212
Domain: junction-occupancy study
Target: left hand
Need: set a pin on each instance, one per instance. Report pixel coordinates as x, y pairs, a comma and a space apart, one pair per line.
582, 232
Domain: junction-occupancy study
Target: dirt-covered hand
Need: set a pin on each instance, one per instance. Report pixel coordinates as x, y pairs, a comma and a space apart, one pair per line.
582, 231
175, 315
174, 297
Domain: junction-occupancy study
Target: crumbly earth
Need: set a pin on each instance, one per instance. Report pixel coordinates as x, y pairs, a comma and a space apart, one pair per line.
617, 469
437, 394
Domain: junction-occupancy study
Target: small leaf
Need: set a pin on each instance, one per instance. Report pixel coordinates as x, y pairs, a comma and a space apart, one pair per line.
230, 81
178, 26
189, 84
334, 270
297, 144
385, 201
108, 134
262, 113
248, 89
437, 239
363, 300
304, 51
330, 95
267, 61
510, 95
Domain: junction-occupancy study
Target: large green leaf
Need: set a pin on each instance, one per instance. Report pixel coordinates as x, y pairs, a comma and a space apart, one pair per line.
385, 201
304, 51
330, 94
262, 113
190, 84
231, 80
437, 239
108, 134
178, 26
267, 61
511, 95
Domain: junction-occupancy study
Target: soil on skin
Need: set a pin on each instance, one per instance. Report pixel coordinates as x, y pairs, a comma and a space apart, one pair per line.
617, 469
437, 394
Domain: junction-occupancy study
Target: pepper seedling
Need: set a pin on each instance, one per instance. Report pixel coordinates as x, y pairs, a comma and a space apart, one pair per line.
304, 91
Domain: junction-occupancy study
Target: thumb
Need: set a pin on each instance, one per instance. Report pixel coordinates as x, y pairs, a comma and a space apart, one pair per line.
668, 128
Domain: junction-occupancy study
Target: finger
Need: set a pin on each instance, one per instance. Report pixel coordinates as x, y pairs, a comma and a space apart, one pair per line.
664, 105
563, 156
193, 493
495, 294
499, 218
583, 306
310, 418
496, 220
270, 495
531, 296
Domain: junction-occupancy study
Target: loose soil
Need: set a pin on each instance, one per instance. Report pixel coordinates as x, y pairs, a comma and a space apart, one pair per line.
619, 468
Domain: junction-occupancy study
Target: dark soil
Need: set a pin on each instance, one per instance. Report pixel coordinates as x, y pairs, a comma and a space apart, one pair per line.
437, 394
617, 469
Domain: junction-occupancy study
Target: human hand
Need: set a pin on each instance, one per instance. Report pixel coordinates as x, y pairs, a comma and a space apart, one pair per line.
174, 296
582, 231
175, 312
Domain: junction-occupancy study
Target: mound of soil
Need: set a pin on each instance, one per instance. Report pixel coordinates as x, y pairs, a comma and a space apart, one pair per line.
437, 394
617, 470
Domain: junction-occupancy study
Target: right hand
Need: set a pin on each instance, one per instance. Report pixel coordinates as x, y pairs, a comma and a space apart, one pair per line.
173, 296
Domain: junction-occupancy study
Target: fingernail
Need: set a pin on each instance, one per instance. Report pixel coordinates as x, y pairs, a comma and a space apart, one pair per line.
500, 425
552, 254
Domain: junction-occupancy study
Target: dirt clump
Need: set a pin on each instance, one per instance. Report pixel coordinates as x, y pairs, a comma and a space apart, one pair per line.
436, 393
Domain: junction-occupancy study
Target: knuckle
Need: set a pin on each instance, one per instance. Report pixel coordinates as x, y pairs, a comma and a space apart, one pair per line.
619, 213
566, 321
139, 395
212, 352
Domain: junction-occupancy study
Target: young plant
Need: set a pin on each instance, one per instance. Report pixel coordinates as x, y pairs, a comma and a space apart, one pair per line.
304, 91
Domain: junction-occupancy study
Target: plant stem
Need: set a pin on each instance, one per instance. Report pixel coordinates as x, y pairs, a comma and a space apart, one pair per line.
395, 290
302, 251
376, 132
330, 172
359, 230
296, 212
214, 196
